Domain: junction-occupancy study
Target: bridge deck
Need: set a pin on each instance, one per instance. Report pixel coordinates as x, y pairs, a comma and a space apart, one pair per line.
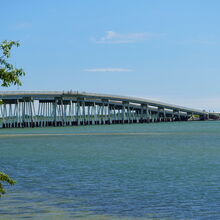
33, 108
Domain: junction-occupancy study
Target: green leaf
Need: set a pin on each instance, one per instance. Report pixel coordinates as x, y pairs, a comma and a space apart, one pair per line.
5, 178
9, 75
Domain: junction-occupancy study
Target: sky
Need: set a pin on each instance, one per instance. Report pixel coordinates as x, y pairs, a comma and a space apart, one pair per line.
161, 50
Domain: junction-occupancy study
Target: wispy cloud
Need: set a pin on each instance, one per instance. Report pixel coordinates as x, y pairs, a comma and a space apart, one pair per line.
112, 37
22, 26
206, 40
109, 70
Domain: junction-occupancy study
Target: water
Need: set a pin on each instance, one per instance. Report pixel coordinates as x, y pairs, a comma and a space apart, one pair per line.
138, 171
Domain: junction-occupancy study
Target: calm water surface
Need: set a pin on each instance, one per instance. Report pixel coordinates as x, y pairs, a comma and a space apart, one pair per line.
139, 171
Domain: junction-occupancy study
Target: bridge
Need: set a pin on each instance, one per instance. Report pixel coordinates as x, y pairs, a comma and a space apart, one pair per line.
72, 108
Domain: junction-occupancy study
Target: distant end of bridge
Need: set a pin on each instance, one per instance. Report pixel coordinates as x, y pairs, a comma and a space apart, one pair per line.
72, 108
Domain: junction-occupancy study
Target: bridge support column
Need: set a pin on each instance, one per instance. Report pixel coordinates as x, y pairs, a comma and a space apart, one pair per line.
123, 114
115, 116
88, 115
94, 117
84, 113
145, 113
95, 113
102, 114
129, 115
109, 114
158, 115
177, 115
77, 113
142, 114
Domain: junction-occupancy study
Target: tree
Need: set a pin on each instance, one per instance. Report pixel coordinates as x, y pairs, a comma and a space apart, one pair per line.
9, 75
5, 178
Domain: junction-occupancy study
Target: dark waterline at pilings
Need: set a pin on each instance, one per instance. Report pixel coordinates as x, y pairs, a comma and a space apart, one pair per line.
83, 123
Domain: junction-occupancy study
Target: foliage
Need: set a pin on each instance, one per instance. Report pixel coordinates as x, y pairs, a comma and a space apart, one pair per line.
9, 75
5, 178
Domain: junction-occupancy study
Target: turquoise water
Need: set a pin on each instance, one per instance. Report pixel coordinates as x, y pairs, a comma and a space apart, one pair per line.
138, 171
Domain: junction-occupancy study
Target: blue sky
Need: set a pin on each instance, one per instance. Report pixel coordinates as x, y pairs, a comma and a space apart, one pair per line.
164, 50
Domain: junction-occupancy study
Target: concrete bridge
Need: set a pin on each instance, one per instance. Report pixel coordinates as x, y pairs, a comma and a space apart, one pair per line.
42, 109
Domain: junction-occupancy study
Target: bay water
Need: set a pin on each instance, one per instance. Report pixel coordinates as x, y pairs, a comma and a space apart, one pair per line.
133, 171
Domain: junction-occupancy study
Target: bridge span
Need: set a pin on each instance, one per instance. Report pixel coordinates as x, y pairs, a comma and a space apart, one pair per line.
55, 108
